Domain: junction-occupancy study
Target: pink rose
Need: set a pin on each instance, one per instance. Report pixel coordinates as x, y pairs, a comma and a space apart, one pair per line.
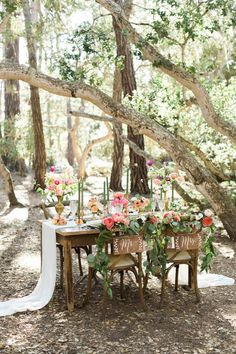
125, 202
108, 222
118, 195
52, 169
157, 181
56, 181
51, 187
118, 217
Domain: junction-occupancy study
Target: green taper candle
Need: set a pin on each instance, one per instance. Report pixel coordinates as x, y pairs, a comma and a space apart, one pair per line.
104, 192
78, 199
82, 193
107, 189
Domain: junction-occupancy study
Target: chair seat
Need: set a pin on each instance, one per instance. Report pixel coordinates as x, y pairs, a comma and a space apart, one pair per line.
180, 256
120, 261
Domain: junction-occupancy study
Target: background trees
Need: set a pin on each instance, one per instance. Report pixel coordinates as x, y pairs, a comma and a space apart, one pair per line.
184, 67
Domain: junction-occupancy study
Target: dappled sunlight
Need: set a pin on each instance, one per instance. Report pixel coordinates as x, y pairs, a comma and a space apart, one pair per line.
22, 194
29, 261
6, 242
5, 208
225, 250
16, 215
231, 317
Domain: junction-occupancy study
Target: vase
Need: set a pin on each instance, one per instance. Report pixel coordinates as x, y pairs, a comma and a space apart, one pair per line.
59, 205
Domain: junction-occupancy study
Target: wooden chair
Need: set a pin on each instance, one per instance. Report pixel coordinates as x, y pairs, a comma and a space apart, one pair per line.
125, 254
184, 249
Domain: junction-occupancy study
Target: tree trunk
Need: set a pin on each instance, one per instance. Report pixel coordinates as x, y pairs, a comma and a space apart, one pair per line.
6, 176
138, 168
70, 152
118, 145
12, 104
40, 153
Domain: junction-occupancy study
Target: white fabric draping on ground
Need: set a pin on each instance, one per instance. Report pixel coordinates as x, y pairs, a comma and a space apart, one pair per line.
204, 279
44, 289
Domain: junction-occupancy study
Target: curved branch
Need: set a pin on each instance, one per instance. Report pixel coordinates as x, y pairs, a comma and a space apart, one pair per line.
179, 74
89, 147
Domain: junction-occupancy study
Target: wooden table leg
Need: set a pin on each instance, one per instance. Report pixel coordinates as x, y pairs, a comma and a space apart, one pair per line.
68, 276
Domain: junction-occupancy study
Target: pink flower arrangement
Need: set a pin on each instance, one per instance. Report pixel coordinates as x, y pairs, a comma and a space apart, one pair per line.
118, 199
170, 216
59, 184
115, 220
59, 220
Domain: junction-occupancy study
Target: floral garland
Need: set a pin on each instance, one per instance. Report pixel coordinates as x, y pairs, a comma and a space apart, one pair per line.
153, 229
110, 224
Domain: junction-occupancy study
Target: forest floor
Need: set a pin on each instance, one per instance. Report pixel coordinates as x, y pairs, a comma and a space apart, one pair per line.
181, 326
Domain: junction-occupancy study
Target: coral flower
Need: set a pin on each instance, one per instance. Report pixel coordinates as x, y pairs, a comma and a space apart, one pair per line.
207, 221
154, 220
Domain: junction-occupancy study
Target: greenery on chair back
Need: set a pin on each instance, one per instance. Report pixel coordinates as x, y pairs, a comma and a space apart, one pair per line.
154, 229
99, 261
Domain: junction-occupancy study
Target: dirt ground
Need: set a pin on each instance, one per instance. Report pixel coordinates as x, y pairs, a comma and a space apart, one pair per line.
181, 326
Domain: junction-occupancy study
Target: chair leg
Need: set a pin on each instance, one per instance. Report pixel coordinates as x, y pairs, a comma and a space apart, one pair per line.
140, 288
89, 286
163, 284
77, 250
195, 284
176, 277
121, 284
190, 276
145, 282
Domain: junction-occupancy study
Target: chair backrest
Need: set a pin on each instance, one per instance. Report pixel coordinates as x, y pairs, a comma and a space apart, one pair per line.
184, 241
187, 241
127, 244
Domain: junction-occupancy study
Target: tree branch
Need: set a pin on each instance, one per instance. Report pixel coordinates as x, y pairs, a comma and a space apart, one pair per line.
4, 22
179, 74
92, 116
204, 181
209, 165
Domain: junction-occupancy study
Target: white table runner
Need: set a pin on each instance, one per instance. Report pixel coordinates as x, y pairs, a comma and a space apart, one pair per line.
44, 289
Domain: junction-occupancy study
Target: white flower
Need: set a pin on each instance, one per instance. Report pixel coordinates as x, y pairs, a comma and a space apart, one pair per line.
208, 212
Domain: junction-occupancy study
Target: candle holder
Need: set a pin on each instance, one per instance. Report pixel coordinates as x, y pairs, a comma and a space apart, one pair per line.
80, 220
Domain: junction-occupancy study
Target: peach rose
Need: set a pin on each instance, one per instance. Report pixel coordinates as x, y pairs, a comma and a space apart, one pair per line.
108, 222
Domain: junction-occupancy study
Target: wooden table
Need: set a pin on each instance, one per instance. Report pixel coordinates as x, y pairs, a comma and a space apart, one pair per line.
69, 237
